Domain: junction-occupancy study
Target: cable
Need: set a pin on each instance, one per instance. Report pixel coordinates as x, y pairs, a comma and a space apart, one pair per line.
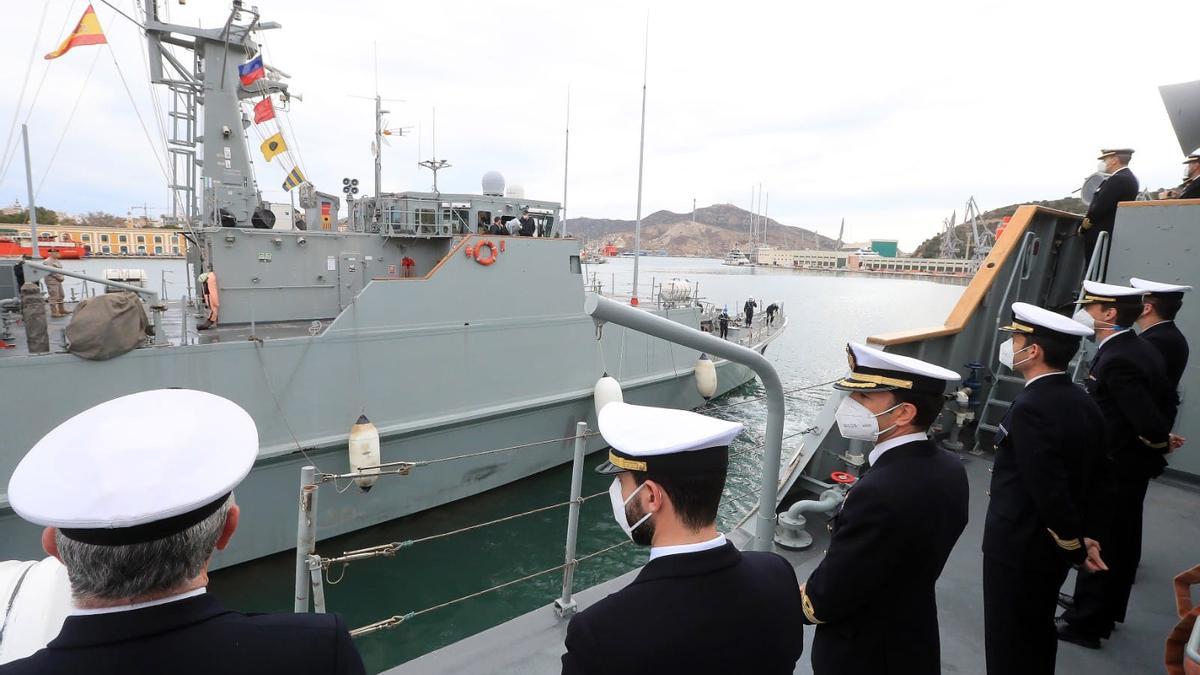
10, 145
49, 164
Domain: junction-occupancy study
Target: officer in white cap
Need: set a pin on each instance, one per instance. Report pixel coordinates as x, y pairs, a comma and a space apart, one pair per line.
1120, 186
698, 594
1160, 306
1041, 517
1127, 379
872, 597
135, 494
1190, 187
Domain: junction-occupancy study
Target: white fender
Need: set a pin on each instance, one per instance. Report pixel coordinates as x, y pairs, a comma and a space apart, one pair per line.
35, 598
364, 452
706, 377
607, 391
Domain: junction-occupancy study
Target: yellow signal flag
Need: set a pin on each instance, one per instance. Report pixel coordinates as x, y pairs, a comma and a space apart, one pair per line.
87, 32
273, 146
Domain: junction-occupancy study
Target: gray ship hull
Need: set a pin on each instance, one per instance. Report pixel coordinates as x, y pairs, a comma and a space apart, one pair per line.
440, 367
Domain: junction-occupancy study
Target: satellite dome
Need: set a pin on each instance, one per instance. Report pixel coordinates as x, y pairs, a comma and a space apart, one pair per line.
516, 192
493, 184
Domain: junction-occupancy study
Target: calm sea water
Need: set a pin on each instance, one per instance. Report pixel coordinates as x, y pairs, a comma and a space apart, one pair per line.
825, 312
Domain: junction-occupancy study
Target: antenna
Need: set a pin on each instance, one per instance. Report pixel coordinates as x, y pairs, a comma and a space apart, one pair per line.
566, 158
433, 163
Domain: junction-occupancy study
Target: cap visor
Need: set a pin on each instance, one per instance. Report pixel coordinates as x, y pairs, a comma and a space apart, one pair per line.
850, 384
607, 468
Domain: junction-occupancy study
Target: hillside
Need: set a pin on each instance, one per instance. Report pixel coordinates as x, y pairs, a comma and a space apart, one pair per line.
931, 247
717, 229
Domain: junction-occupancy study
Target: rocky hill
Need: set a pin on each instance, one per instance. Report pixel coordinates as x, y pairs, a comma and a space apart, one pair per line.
931, 247
715, 230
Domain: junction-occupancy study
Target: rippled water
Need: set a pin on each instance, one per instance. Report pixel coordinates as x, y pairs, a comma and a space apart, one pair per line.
825, 312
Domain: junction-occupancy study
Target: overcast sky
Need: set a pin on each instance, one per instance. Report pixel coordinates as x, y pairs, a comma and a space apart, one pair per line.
888, 114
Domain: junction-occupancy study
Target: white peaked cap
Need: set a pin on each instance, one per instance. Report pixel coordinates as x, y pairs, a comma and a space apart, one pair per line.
1156, 287
639, 434
136, 468
1193, 157
1033, 320
876, 370
1094, 291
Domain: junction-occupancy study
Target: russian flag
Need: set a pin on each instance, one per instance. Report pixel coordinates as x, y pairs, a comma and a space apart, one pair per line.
251, 71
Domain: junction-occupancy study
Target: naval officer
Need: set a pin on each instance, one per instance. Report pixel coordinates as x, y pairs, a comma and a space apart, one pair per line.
872, 597
1049, 461
1160, 306
699, 605
1120, 186
1127, 379
136, 494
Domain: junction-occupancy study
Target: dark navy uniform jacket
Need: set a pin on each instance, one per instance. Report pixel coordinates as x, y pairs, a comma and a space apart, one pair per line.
1128, 381
1166, 337
1122, 186
1049, 459
195, 635
872, 597
714, 611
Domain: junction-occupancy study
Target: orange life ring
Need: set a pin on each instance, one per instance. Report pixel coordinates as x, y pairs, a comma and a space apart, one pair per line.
491, 256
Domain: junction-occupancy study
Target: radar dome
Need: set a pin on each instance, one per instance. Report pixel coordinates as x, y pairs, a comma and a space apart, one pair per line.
516, 192
493, 184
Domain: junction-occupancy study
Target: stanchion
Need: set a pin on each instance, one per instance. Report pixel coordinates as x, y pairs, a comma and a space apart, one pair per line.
565, 605
306, 535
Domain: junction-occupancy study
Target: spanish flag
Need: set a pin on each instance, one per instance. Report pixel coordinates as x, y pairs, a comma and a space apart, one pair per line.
294, 178
87, 32
273, 146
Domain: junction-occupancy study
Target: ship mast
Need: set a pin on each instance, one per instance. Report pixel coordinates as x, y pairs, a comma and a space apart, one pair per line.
637, 229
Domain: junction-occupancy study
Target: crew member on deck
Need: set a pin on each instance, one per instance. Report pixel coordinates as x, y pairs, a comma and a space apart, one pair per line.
748, 310
1128, 381
872, 597
1049, 460
699, 605
723, 321
136, 494
1160, 306
1120, 186
54, 284
1190, 187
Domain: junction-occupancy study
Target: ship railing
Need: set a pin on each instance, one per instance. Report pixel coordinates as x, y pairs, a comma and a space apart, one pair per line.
422, 218
312, 570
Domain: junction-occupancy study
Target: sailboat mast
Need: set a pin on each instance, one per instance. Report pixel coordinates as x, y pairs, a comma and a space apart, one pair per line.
637, 229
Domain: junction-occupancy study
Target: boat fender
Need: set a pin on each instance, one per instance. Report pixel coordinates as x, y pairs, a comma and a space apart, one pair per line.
607, 390
706, 377
490, 257
364, 452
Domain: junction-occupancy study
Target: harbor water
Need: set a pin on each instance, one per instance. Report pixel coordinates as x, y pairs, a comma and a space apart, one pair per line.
825, 312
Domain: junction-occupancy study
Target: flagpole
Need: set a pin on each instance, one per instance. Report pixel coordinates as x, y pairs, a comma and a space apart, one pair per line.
566, 158
637, 230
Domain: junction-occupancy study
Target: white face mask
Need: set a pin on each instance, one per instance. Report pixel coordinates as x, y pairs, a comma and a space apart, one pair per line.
858, 423
1102, 166
1007, 354
1082, 316
618, 507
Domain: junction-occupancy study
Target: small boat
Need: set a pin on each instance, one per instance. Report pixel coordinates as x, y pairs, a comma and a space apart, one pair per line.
592, 258
736, 258
68, 250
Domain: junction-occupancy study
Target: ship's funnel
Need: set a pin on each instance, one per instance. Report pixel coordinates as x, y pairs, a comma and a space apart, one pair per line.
493, 184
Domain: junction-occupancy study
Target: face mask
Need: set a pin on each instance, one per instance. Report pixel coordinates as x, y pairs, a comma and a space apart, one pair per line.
1007, 354
1101, 167
1082, 316
618, 507
856, 422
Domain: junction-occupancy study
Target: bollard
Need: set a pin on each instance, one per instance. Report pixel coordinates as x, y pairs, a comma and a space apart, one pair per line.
565, 605
306, 535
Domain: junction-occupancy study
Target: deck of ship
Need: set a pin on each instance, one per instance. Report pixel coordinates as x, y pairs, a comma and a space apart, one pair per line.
532, 643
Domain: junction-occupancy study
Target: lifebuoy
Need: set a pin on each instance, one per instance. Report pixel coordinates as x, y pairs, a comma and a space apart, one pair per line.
491, 256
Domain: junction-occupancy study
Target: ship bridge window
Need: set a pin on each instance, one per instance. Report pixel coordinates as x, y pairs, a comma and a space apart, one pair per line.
483, 221
458, 218
544, 224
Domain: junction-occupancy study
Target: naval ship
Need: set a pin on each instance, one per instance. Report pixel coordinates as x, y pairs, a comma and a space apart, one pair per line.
447, 341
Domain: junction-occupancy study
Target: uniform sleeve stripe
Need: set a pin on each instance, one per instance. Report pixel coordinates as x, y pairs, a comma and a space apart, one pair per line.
808, 608
1156, 446
1065, 544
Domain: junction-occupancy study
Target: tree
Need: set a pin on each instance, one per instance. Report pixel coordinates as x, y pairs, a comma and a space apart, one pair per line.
44, 217
101, 219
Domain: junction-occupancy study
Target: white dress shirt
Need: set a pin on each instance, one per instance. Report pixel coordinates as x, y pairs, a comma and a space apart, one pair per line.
890, 443
1101, 343
1056, 372
661, 551
76, 611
